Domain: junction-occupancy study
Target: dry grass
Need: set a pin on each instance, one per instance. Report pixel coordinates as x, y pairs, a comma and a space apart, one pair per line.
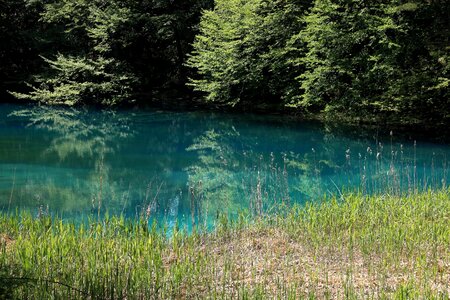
360, 248
6, 241
270, 257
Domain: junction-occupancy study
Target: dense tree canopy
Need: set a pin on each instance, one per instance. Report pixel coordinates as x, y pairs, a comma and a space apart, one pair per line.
106, 52
365, 59
376, 57
244, 54
382, 59
91, 74
20, 34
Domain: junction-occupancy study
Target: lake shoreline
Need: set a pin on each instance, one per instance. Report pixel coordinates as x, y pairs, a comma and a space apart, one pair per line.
422, 128
353, 246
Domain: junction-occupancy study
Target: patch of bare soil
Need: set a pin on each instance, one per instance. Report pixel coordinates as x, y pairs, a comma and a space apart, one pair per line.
6, 240
272, 260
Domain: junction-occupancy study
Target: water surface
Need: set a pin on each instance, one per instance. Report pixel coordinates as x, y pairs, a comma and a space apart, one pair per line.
190, 166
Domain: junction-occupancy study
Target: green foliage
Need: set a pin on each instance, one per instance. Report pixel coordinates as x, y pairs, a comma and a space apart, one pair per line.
364, 59
242, 53
217, 51
383, 59
94, 76
112, 52
372, 57
77, 80
349, 55
422, 87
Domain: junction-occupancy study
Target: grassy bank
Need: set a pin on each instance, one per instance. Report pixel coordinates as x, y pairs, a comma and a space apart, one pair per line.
357, 247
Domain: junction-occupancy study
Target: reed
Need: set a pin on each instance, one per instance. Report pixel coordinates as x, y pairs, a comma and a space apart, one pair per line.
353, 247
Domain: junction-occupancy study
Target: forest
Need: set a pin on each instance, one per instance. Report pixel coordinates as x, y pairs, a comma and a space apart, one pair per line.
381, 60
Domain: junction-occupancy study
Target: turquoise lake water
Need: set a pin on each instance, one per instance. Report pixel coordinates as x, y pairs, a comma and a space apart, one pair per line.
191, 166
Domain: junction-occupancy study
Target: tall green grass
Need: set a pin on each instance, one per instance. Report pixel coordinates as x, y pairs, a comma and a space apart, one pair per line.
399, 244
